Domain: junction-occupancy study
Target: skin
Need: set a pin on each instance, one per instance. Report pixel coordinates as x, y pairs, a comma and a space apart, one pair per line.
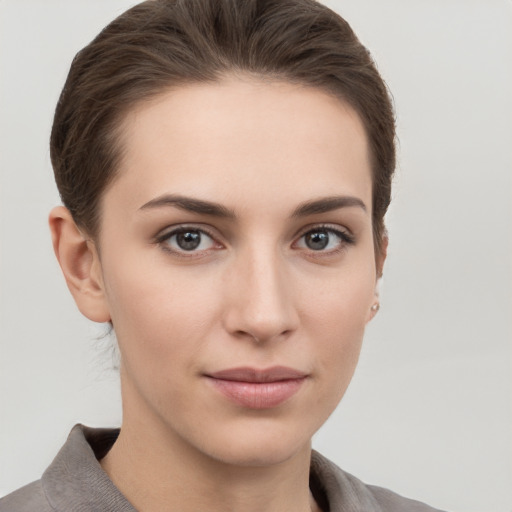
252, 294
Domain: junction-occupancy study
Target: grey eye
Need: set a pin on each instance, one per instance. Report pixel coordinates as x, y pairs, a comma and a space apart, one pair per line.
324, 239
317, 240
188, 240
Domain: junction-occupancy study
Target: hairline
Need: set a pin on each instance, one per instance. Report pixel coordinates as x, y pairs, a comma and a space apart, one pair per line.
121, 118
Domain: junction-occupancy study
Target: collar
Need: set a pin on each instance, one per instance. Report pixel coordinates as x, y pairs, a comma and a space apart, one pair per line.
75, 479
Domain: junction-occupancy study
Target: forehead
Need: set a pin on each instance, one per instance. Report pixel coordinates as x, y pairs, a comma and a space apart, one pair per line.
244, 137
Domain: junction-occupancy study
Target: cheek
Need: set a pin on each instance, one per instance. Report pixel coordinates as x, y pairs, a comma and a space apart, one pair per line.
158, 316
340, 302
336, 321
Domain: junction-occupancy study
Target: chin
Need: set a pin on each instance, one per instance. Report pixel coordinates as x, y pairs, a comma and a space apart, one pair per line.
258, 456
257, 445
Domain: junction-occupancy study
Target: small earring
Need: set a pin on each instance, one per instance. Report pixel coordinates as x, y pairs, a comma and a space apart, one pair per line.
376, 307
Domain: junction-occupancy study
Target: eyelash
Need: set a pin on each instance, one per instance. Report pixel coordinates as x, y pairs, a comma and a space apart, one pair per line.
164, 238
345, 237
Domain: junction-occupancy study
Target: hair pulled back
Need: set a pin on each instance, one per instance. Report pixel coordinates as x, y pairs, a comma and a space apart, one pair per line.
160, 44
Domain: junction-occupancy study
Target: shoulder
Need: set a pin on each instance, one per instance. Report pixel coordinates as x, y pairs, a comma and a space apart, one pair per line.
74, 480
341, 490
392, 502
29, 498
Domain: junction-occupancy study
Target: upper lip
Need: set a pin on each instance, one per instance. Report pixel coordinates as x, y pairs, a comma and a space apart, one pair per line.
247, 374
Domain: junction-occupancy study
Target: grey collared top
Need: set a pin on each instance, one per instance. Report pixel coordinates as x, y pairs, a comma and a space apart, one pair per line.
75, 482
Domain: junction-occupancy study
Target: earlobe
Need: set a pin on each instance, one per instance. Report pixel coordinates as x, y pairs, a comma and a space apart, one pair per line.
374, 309
80, 264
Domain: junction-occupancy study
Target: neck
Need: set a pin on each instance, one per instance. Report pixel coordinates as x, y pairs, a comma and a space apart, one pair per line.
156, 470
160, 476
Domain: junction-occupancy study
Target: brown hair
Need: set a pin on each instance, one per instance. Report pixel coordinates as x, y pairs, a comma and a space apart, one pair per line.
160, 44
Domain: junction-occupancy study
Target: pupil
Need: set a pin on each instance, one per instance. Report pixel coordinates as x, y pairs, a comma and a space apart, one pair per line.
188, 240
317, 240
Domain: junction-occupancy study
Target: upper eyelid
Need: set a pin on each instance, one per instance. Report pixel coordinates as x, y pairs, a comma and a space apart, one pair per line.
172, 230
326, 226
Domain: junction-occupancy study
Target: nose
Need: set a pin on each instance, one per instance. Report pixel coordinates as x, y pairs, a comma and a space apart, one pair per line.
261, 300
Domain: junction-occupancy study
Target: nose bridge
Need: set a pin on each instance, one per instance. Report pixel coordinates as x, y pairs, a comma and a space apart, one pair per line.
261, 303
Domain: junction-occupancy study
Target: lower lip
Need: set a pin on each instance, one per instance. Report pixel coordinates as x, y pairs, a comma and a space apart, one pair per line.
258, 395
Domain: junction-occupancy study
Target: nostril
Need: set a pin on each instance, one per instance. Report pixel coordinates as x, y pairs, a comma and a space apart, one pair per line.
260, 338
244, 334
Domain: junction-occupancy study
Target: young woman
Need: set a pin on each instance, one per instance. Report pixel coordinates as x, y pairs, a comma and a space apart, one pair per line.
225, 168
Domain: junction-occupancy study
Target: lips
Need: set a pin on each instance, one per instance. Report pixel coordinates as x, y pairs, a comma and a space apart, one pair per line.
258, 389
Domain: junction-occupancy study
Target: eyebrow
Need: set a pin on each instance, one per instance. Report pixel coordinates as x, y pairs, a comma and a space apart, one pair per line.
191, 205
327, 204
323, 205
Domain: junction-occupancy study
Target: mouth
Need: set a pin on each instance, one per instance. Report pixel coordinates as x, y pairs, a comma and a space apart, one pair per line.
258, 389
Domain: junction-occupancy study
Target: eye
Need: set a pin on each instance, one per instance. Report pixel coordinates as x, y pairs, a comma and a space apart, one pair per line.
187, 240
324, 239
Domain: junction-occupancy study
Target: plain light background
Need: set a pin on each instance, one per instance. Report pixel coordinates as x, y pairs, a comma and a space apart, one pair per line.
429, 413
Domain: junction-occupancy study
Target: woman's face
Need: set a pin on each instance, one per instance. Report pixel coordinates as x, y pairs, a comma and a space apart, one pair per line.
237, 262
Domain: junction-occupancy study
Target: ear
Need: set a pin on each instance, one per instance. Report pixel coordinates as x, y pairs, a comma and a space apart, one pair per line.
380, 258
80, 264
